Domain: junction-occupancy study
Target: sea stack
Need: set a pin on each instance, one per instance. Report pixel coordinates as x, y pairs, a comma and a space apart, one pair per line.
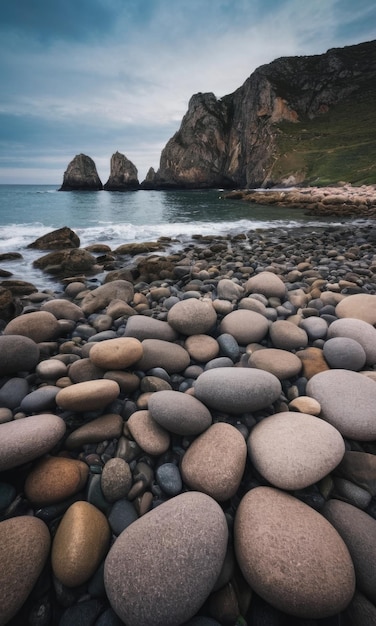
81, 175
123, 174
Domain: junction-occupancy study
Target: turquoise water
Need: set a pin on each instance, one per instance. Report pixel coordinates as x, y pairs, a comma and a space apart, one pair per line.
114, 218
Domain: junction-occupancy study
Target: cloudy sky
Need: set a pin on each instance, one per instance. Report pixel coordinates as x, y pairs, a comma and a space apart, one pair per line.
96, 76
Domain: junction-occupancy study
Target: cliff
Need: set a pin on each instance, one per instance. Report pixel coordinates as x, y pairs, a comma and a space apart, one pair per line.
123, 174
296, 120
81, 175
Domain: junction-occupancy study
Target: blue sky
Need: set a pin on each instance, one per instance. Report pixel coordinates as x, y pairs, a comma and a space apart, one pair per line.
96, 76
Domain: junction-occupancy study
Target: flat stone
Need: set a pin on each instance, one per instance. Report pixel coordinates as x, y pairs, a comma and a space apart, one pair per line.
237, 390
148, 434
26, 439
91, 395
287, 335
38, 326
116, 479
83, 370
162, 568
80, 543
51, 369
24, 549
245, 326
100, 298
266, 283
158, 353
358, 530
109, 426
192, 317
142, 327
40, 400
344, 353
360, 468
116, 354
17, 353
291, 556
63, 309
347, 402
360, 331
201, 348
313, 361
294, 450
281, 363
12, 392
361, 306
215, 461
55, 479
179, 413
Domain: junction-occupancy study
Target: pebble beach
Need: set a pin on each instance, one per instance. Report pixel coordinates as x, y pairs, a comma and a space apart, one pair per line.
189, 438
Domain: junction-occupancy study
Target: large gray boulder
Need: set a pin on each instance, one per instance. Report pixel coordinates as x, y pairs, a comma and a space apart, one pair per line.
81, 175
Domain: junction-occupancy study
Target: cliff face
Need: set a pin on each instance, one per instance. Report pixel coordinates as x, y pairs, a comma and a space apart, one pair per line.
81, 175
297, 119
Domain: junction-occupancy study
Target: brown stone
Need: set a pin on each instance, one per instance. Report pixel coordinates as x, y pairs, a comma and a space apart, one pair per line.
313, 361
91, 395
116, 354
108, 426
148, 434
116, 479
202, 348
38, 326
55, 479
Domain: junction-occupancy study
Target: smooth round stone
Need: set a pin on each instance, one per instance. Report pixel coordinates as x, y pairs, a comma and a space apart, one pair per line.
361, 306
127, 381
80, 543
315, 327
201, 348
353, 494
13, 392
222, 307
229, 290
347, 402
215, 461
287, 335
266, 283
360, 611
83, 370
116, 354
251, 304
169, 479
121, 515
63, 309
24, 549
360, 331
109, 426
158, 353
142, 327
116, 479
38, 326
358, 530
6, 415
101, 297
153, 383
192, 317
55, 479
17, 354
220, 361
26, 439
344, 353
360, 468
179, 413
281, 363
51, 370
147, 433
294, 450
313, 361
88, 396
305, 404
40, 400
291, 556
237, 390
245, 326
162, 568
229, 346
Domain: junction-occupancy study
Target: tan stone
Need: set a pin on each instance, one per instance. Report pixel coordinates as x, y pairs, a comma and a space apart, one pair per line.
281, 363
81, 541
202, 348
55, 479
38, 326
305, 404
360, 306
88, 396
313, 361
116, 354
150, 436
266, 283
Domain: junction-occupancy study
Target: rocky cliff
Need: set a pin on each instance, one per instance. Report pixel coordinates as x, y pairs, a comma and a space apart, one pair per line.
81, 175
296, 120
123, 174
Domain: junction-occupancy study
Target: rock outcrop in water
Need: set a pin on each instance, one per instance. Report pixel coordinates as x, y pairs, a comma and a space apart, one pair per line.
81, 175
123, 174
298, 119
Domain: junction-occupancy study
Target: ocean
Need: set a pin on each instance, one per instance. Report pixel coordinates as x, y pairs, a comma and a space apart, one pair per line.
115, 218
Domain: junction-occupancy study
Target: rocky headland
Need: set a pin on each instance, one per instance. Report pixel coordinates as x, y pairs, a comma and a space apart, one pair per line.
191, 439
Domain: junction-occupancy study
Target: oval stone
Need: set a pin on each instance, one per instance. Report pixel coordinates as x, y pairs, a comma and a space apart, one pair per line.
80, 543
158, 353
237, 390
24, 548
294, 450
179, 413
40, 400
38, 326
266, 283
360, 331
287, 335
215, 461
202, 348
291, 556
347, 402
281, 363
17, 354
344, 353
55, 479
192, 316
143, 327
88, 396
26, 439
116, 479
147, 433
361, 306
163, 566
116, 354
63, 309
107, 426
245, 326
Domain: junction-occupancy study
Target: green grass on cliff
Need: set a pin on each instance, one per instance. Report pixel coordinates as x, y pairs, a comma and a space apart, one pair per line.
337, 146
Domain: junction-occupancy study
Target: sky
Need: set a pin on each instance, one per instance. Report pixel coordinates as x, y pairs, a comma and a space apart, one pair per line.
100, 76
